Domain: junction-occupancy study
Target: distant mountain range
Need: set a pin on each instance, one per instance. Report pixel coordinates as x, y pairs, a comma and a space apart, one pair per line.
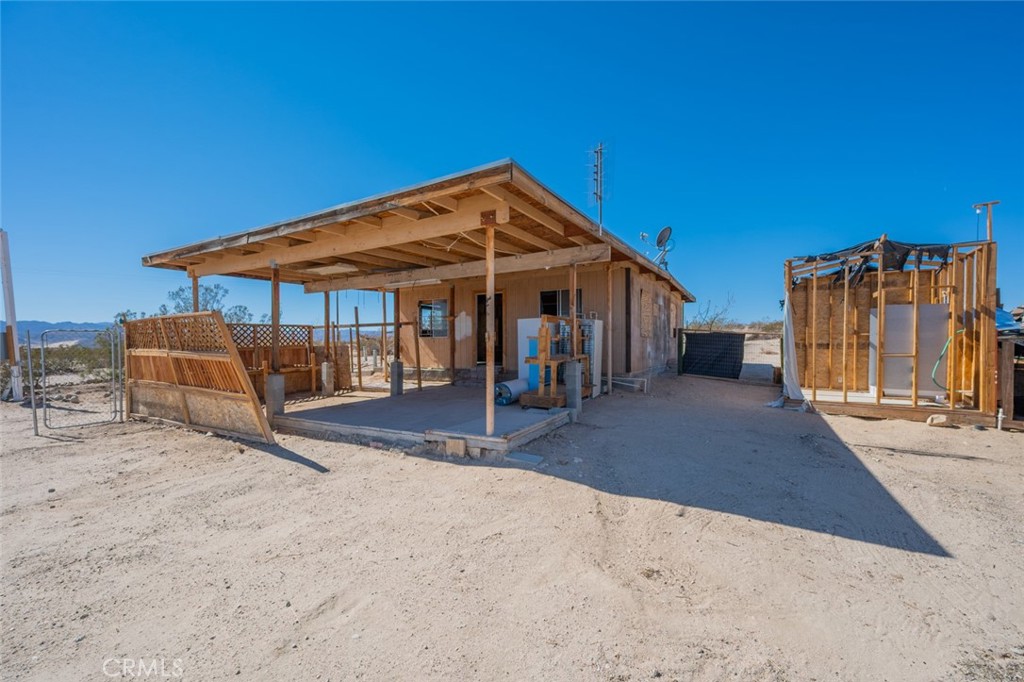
37, 327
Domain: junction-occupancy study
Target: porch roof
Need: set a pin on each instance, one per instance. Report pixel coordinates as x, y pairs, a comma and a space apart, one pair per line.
429, 232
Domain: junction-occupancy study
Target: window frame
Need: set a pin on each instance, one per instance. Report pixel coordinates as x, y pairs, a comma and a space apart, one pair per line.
561, 296
437, 314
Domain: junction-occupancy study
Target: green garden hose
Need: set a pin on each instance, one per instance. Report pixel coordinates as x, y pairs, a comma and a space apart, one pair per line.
938, 362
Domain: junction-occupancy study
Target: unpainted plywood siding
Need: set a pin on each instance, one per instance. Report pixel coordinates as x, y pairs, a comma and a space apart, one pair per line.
828, 323
521, 299
652, 345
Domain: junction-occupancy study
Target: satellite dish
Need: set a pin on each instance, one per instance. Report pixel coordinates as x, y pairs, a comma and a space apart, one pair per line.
663, 237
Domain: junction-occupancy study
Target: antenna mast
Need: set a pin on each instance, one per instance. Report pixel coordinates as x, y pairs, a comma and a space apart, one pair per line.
599, 185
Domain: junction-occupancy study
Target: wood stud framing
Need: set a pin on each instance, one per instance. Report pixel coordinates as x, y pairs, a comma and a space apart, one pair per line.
964, 282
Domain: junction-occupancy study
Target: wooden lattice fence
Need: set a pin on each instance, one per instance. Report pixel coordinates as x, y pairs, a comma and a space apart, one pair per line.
186, 369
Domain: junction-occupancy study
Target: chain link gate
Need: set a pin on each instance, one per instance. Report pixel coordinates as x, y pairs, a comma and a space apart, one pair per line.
81, 377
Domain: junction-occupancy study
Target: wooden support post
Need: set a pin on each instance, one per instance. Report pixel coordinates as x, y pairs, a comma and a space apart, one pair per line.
915, 339
951, 350
787, 289
275, 319
608, 331
384, 333
987, 319
311, 355
359, 351
489, 222
880, 330
351, 352
846, 328
397, 303
976, 378
814, 335
574, 348
327, 326
965, 299
419, 369
1006, 378
451, 331
831, 303
195, 294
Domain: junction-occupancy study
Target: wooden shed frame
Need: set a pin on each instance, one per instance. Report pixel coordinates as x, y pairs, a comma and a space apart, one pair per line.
832, 297
465, 229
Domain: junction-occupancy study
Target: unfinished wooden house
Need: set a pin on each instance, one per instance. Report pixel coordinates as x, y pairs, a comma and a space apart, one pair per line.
887, 329
489, 274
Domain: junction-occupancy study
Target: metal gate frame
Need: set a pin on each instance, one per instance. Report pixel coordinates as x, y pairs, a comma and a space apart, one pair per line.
116, 378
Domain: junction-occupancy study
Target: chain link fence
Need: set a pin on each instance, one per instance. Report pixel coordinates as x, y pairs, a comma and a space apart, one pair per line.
76, 377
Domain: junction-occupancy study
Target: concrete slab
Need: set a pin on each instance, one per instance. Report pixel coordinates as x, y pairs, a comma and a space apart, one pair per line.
435, 413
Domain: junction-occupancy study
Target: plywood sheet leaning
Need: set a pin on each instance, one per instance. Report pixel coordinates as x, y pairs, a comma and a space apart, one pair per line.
185, 369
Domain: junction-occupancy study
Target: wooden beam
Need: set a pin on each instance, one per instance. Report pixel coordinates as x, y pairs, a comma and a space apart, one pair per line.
429, 252
195, 294
327, 326
526, 209
275, 319
574, 346
608, 328
403, 257
990, 348
489, 275
451, 331
369, 220
359, 350
361, 238
384, 333
397, 303
449, 203
530, 238
408, 213
595, 253
461, 245
497, 174
846, 330
915, 333
814, 337
880, 327
416, 340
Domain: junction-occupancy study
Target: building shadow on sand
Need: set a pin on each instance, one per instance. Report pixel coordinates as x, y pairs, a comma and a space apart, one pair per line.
721, 449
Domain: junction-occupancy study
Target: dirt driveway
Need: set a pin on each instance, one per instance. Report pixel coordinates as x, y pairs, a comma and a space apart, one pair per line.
687, 534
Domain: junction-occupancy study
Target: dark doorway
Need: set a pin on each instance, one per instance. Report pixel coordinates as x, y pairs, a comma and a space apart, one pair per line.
481, 329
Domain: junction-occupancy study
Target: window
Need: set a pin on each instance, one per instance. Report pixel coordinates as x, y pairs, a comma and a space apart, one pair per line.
556, 302
434, 318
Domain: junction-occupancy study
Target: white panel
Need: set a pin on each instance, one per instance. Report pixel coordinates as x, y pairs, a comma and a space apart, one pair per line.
932, 330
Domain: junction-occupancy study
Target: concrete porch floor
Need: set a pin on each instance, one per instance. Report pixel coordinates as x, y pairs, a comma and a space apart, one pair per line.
435, 414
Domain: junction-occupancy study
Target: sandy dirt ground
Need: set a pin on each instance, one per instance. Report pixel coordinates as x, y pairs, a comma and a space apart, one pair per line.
690, 534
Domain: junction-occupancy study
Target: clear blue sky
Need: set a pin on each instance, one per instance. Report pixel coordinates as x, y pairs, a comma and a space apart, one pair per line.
758, 131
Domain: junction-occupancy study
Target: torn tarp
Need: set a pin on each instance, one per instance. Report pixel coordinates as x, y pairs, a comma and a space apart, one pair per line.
895, 257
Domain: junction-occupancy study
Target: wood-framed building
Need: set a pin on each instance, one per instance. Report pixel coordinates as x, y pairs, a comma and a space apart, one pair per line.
887, 329
463, 258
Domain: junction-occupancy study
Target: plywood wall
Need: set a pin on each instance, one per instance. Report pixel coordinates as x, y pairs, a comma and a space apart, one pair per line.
521, 299
826, 369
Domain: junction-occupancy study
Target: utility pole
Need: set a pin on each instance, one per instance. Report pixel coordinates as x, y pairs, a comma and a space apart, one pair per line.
11, 318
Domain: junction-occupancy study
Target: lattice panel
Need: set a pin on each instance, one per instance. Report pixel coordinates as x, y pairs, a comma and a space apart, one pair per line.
143, 334
198, 332
248, 335
194, 333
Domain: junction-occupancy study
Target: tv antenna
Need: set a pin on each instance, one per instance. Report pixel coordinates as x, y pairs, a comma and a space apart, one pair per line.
599, 185
663, 242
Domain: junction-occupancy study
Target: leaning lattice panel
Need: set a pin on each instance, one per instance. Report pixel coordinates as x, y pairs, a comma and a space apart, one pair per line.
185, 369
